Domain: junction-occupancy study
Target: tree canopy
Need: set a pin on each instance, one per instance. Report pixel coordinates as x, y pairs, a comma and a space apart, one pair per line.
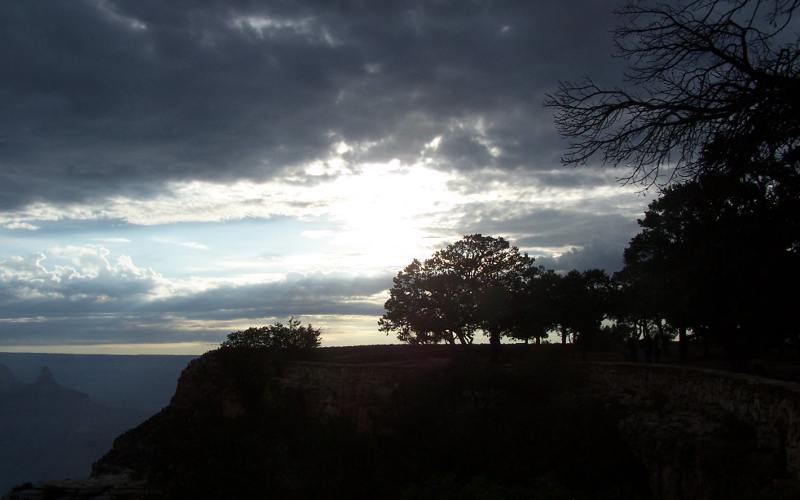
483, 284
710, 96
535, 308
459, 290
291, 336
717, 255
582, 303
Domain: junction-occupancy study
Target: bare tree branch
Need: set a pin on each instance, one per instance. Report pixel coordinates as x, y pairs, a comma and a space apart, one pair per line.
703, 72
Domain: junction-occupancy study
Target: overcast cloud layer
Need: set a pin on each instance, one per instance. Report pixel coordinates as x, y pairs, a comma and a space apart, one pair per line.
172, 170
102, 97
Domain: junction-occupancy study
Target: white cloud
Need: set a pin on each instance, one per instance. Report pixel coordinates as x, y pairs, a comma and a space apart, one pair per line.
193, 245
20, 225
84, 294
265, 26
111, 13
80, 273
318, 235
381, 216
111, 240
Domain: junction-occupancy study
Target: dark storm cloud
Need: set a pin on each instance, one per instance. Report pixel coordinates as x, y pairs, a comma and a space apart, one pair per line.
573, 177
594, 255
597, 233
102, 97
101, 329
96, 300
555, 228
543, 228
313, 294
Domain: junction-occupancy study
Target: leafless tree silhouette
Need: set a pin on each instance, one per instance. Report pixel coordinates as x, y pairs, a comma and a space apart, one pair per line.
707, 74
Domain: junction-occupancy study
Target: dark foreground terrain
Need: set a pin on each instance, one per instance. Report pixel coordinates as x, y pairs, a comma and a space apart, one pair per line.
406, 422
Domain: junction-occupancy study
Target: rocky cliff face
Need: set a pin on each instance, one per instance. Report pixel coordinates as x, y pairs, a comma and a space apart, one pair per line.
704, 433
428, 428
239, 426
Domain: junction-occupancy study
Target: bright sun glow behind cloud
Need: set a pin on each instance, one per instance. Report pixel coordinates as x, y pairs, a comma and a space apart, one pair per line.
293, 168
376, 218
202, 258
386, 212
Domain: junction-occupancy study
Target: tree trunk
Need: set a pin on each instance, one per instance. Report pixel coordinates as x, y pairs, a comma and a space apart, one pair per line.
738, 349
683, 345
494, 341
633, 348
647, 340
659, 343
563, 335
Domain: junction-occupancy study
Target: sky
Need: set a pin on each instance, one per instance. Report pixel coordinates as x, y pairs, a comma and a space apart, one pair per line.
174, 171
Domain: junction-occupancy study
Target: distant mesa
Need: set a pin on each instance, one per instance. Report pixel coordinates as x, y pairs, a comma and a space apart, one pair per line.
46, 388
45, 377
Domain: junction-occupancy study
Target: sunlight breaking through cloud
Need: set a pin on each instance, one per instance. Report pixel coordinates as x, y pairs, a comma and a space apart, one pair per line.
169, 172
383, 215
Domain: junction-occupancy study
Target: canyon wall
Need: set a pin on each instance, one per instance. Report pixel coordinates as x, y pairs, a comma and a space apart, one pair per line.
770, 408
699, 433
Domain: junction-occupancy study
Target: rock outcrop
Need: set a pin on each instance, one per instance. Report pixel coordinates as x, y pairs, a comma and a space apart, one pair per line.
239, 426
706, 433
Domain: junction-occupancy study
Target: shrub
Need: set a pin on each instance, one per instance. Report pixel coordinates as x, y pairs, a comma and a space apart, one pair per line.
291, 336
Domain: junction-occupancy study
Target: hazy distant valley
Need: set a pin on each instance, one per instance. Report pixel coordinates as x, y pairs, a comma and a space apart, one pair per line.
59, 412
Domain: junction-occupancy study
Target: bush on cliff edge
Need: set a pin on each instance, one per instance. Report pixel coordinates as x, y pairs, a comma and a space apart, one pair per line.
292, 337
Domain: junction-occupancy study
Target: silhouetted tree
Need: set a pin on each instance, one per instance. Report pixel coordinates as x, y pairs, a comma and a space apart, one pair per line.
582, 303
291, 336
462, 288
712, 93
425, 307
716, 255
535, 306
656, 283
559, 302
704, 76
